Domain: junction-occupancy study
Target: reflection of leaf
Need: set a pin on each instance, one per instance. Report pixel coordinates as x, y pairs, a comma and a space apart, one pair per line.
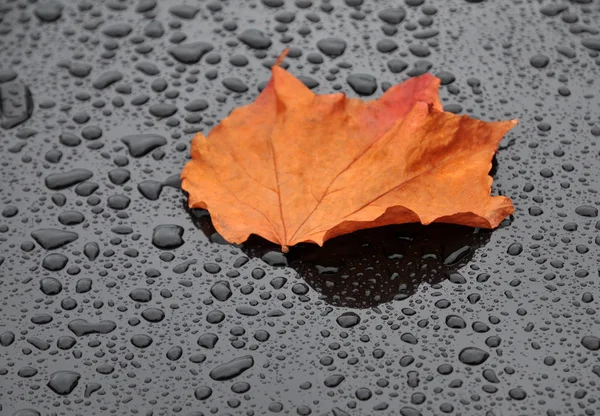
374, 266
385, 264
298, 167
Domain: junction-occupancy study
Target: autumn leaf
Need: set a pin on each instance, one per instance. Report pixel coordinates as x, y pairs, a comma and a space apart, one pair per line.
296, 167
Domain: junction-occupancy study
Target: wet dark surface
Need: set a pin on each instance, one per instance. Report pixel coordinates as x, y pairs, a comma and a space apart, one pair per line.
116, 299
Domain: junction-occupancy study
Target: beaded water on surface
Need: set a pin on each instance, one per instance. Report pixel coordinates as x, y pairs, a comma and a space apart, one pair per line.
117, 299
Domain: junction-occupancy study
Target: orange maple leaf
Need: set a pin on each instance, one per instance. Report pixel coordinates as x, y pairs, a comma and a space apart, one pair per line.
298, 167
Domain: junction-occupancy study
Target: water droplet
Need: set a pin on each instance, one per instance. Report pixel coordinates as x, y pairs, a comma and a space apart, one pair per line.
51, 239
232, 369
348, 320
190, 53
168, 236
63, 382
473, 356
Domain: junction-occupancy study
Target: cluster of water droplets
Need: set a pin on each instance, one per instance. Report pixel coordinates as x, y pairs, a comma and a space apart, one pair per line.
116, 299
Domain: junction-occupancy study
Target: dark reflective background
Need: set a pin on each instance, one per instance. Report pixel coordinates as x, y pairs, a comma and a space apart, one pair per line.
115, 299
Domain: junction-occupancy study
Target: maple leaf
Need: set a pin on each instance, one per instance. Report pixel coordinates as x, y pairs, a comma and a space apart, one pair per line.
296, 167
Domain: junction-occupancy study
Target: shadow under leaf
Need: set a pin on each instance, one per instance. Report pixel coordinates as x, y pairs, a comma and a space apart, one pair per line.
370, 267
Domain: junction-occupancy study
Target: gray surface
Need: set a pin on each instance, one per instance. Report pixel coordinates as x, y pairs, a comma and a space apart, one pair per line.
541, 303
